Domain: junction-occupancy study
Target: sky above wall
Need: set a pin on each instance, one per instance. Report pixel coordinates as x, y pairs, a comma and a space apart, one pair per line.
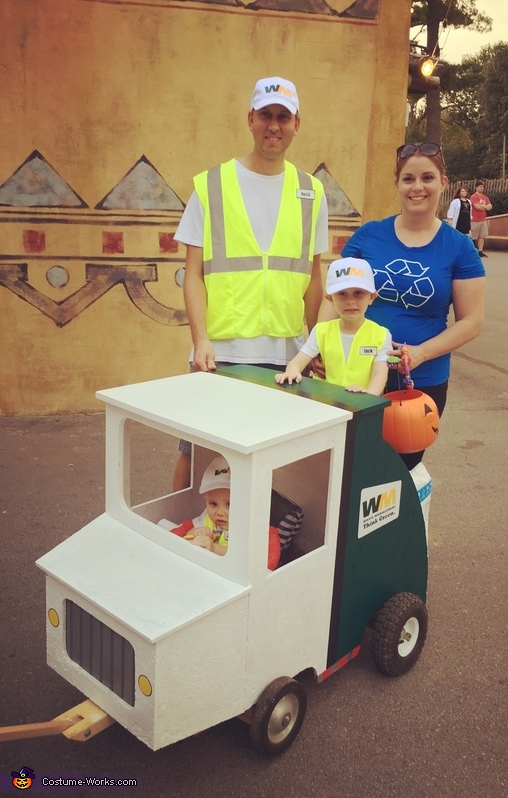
456, 43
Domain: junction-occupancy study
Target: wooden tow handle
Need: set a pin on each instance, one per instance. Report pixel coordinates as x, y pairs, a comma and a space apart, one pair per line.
45, 729
79, 723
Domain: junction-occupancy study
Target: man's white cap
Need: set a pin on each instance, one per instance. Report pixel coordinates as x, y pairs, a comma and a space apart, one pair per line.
349, 273
216, 475
268, 91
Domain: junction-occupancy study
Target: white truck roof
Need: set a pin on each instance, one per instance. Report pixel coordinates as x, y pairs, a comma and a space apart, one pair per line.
237, 414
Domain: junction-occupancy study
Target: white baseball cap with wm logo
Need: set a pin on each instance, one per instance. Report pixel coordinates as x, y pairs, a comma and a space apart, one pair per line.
268, 91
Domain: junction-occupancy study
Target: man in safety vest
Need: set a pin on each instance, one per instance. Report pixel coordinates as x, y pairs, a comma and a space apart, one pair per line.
254, 228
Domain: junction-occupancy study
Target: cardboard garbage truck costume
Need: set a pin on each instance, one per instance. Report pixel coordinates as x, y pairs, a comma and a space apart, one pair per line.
139, 620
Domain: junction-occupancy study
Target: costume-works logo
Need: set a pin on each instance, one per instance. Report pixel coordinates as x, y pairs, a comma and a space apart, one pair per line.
24, 779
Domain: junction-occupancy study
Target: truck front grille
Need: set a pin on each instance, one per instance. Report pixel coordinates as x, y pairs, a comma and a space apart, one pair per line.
101, 652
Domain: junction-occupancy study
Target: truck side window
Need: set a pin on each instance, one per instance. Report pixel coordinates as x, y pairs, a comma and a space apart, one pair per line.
304, 485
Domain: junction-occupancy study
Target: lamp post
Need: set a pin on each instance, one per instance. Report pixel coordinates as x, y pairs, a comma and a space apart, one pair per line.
421, 80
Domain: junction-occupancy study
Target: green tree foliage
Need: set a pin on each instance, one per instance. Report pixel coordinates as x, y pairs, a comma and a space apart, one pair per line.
472, 103
499, 204
493, 96
450, 13
460, 115
475, 114
433, 16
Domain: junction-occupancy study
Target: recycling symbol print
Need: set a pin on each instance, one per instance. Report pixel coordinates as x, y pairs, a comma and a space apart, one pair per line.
414, 289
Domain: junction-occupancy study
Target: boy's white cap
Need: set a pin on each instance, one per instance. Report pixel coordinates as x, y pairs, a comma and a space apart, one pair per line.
349, 273
268, 91
216, 475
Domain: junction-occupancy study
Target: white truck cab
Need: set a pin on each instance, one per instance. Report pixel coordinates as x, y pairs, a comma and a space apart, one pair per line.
169, 638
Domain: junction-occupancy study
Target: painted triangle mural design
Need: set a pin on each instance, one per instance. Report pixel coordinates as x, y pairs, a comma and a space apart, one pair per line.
338, 203
35, 184
142, 188
362, 9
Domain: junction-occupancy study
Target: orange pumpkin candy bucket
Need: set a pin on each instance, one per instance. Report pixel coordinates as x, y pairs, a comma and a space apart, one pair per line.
411, 421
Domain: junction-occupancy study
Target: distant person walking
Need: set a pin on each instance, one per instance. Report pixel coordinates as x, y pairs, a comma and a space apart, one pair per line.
479, 226
460, 211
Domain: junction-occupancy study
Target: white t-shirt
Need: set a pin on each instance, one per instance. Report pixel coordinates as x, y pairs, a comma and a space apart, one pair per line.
262, 196
311, 348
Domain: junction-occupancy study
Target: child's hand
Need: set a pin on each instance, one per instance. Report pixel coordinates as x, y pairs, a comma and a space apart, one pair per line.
317, 367
356, 389
202, 530
204, 539
199, 530
289, 376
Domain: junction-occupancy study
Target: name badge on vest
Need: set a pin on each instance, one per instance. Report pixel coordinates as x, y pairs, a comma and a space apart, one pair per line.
305, 193
368, 350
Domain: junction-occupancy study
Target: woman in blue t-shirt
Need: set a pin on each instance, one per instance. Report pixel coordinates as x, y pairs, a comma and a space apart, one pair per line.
421, 267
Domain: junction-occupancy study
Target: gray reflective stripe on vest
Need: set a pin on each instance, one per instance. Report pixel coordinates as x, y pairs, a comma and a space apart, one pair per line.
253, 263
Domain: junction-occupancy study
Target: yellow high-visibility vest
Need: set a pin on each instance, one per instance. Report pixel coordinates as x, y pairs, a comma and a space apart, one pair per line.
357, 369
250, 292
205, 520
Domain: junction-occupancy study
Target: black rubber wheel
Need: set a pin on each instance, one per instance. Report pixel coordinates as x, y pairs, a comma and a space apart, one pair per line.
398, 633
278, 716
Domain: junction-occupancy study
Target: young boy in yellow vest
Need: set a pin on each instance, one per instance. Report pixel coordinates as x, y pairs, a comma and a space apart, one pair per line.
354, 350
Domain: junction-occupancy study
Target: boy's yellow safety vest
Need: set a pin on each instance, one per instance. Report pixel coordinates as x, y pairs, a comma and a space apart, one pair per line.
357, 369
250, 292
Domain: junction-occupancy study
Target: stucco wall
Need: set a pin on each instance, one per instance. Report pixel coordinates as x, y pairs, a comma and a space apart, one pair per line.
109, 109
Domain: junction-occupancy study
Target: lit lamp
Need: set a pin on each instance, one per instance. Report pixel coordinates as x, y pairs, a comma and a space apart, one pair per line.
420, 77
427, 66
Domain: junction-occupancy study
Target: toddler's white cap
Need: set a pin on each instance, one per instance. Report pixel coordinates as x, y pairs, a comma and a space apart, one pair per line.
216, 475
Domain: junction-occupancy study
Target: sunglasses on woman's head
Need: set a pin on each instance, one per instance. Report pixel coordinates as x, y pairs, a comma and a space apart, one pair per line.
427, 148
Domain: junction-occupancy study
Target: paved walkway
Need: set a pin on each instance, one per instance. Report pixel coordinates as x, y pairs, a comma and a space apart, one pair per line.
439, 731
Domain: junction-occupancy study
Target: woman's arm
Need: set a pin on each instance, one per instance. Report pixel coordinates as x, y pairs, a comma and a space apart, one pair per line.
452, 213
468, 307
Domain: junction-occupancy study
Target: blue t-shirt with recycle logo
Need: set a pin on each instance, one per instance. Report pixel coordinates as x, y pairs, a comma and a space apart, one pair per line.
414, 285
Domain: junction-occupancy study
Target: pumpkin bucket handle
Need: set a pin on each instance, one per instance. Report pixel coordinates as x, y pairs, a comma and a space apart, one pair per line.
411, 422
402, 364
